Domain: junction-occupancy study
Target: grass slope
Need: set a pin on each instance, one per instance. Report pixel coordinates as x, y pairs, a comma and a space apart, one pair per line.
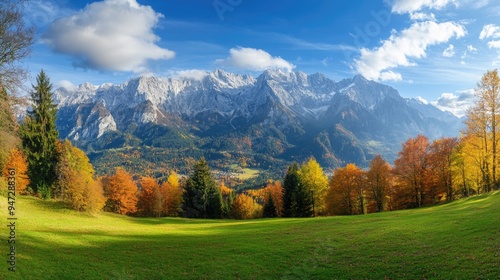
460, 240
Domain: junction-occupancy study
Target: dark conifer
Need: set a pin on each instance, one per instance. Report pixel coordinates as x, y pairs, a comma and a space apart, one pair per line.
269, 210
39, 136
202, 197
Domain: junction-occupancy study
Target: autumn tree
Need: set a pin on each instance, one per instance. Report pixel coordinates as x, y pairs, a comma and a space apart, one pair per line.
466, 166
297, 200
412, 165
440, 167
16, 39
345, 194
274, 191
202, 197
243, 207
39, 136
379, 178
150, 200
314, 180
173, 195
9, 138
483, 122
75, 182
17, 161
121, 192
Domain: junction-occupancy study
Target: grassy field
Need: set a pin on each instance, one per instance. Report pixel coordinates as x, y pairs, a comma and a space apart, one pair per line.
460, 240
248, 173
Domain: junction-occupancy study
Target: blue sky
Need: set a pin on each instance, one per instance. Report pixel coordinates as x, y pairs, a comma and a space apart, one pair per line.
433, 49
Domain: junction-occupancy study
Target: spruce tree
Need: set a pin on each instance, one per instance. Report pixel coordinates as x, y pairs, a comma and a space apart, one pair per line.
297, 199
39, 137
290, 186
202, 197
269, 210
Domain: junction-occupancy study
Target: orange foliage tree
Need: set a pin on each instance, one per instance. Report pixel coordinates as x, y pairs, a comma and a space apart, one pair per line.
346, 191
379, 180
17, 161
150, 201
274, 191
441, 162
411, 167
121, 192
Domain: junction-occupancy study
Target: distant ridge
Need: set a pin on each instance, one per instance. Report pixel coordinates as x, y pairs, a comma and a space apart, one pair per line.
283, 116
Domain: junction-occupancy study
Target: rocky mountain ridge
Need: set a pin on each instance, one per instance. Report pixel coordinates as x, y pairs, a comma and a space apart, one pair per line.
278, 115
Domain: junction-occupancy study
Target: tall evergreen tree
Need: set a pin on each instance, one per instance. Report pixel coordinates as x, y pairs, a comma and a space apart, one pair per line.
39, 137
202, 197
297, 199
269, 210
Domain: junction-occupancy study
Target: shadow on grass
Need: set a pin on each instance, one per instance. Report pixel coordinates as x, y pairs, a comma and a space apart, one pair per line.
48, 204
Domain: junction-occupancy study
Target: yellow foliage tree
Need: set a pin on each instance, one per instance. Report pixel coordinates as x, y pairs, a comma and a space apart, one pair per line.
313, 178
483, 123
173, 195
75, 182
468, 166
243, 207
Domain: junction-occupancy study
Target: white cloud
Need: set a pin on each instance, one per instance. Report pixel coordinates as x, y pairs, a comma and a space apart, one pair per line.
410, 6
66, 85
254, 60
390, 76
193, 74
457, 104
449, 51
399, 48
418, 16
111, 35
423, 100
494, 45
471, 48
490, 31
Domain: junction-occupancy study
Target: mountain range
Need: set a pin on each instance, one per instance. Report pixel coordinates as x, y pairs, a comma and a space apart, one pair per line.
270, 121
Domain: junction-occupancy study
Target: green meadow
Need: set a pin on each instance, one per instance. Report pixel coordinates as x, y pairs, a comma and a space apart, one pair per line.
459, 240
